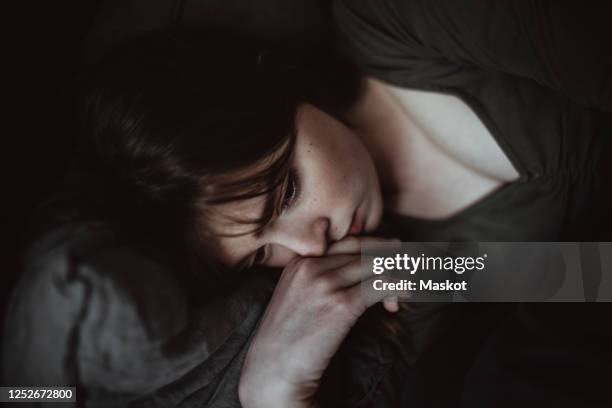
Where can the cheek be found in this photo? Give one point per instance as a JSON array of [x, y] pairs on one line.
[[330, 178], [334, 164], [347, 168], [281, 256]]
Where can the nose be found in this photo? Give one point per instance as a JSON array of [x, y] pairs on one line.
[[308, 239]]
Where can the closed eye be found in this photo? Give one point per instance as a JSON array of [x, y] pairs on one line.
[[291, 192], [260, 256], [290, 196]]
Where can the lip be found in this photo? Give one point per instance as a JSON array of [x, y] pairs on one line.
[[356, 225]]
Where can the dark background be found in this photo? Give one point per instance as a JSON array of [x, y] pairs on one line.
[[41, 44]]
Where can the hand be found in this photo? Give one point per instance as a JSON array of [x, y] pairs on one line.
[[352, 245], [314, 305]]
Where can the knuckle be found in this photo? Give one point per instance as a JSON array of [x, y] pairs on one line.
[[304, 268], [325, 284], [343, 303], [300, 263]]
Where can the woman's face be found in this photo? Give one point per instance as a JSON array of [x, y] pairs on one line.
[[332, 192]]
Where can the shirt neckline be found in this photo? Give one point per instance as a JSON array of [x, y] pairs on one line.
[[491, 198]]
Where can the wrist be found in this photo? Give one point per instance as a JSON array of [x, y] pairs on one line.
[[272, 394]]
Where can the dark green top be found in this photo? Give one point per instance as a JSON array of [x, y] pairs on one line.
[[538, 76]]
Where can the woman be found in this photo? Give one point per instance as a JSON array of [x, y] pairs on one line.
[[185, 152], [455, 142]]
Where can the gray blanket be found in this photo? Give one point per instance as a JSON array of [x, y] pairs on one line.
[[118, 326]]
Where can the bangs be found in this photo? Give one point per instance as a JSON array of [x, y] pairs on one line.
[[267, 180]]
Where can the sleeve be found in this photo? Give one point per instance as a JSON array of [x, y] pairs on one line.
[[559, 44]]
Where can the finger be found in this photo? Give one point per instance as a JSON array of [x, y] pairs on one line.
[[351, 273], [326, 263], [344, 270], [352, 244], [347, 275], [363, 296], [391, 304]]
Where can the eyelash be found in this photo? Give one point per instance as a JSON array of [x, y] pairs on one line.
[[290, 196], [259, 256], [292, 192]]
